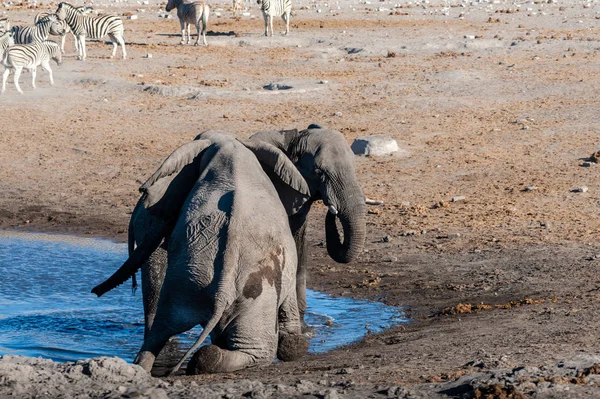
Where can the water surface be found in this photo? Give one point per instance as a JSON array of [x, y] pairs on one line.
[[46, 308]]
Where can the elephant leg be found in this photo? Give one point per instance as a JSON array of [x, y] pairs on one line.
[[153, 276], [168, 322], [292, 344], [302, 249], [248, 340]]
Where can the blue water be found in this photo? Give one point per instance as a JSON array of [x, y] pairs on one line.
[[46, 308]]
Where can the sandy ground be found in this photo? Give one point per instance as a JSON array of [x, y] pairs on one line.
[[484, 99]]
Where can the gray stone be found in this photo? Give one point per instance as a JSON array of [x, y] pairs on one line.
[[374, 145], [582, 189], [458, 198]]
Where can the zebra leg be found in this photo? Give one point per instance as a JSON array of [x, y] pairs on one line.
[[122, 43], [16, 78], [113, 39], [5, 78], [189, 36], [46, 66], [62, 43], [198, 34], [82, 54], [205, 14], [286, 19], [271, 24], [76, 42], [182, 30], [33, 74], [266, 18]]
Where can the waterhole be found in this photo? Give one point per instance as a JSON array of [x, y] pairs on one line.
[[46, 308]]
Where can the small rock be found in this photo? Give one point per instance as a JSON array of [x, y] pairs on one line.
[[581, 189], [588, 164], [132, 17], [331, 394], [329, 323], [458, 198], [148, 55], [323, 82], [387, 239], [374, 145], [470, 37], [530, 188], [408, 233], [337, 114], [346, 370], [454, 235], [391, 259]]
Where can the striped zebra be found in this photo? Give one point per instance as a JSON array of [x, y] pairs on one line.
[[64, 25], [4, 25], [38, 32], [188, 14], [92, 27], [30, 56], [6, 40], [238, 5], [275, 8]]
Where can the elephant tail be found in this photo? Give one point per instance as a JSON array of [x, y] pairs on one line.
[[131, 265], [219, 309], [131, 247]]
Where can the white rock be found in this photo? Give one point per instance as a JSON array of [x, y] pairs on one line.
[[132, 17], [374, 145]]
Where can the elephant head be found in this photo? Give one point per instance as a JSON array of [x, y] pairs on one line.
[[326, 161]]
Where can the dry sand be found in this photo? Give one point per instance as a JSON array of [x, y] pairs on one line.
[[484, 99]]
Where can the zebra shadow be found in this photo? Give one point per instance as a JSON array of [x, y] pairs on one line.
[[208, 33]]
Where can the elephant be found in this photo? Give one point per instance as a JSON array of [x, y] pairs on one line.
[[326, 161], [230, 253]]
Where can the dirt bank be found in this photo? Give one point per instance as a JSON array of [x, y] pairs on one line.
[[485, 99]]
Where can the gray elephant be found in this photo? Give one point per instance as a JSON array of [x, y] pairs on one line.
[[326, 161], [231, 256]]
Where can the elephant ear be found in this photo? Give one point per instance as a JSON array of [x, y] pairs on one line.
[[291, 186], [167, 189]]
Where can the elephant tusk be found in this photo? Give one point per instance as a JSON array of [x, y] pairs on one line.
[[332, 210], [370, 201]]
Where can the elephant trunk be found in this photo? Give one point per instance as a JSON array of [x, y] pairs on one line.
[[350, 210]]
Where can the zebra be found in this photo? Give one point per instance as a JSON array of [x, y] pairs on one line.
[[30, 56], [4, 25], [92, 27], [38, 32], [190, 13], [6, 40], [238, 5], [64, 25], [275, 8]]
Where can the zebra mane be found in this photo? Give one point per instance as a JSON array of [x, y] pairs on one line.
[[49, 17]]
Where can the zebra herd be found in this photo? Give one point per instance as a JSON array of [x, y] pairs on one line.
[[28, 46]]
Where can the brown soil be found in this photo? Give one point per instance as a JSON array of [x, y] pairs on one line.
[[508, 275]]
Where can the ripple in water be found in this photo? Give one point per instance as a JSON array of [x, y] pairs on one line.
[[46, 308]]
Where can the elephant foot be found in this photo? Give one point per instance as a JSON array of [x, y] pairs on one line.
[[291, 347], [207, 359], [145, 360]]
